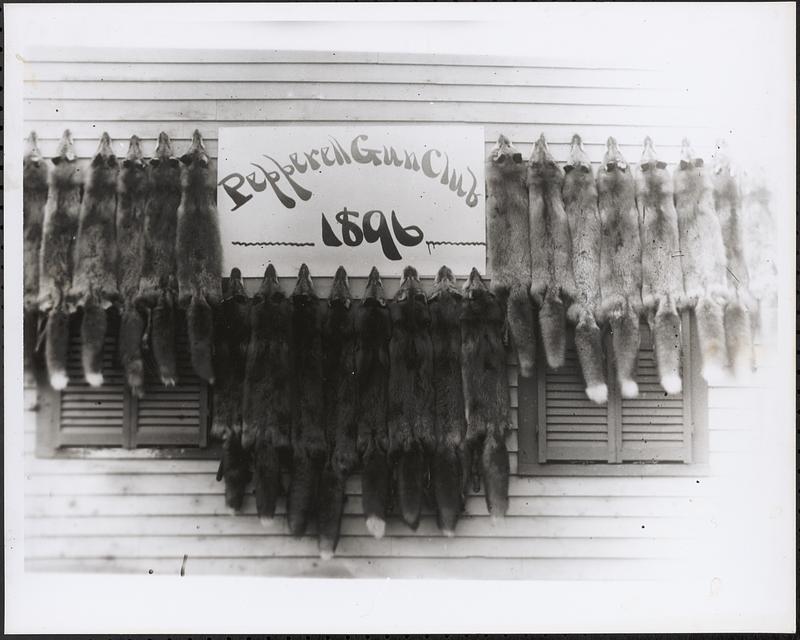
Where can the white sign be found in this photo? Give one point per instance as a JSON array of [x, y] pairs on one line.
[[356, 196]]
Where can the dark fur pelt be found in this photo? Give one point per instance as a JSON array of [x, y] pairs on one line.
[[486, 393], [199, 256], [662, 277], [580, 202], [234, 468], [373, 331], [552, 279], [56, 256], [448, 468], [620, 264], [508, 246], [309, 450], [340, 395], [266, 410], [412, 436]]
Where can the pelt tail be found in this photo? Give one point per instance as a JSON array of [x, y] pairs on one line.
[[131, 329], [711, 335], [495, 470], [519, 316], [266, 478], [162, 340], [57, 347], [411, 472], [235, 469], [30, 336], [589, 345], [625, 341], [738, 337], [553, 324], [667, 346], [375, 480], [200, 323], [93, 337], [306, 471], [447, 480], [331, 505]]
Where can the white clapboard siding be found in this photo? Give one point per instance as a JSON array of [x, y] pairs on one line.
[[135, 511]]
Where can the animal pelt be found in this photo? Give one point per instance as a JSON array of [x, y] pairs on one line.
[[620, 264], [662, 278], [579, 193], [702, 259], [552, 279], [132, 193], [56, 256], [509, 248], [266, 409], [234, 468], [309, 450], [340, 396], [199, 256], [157, 283], [412, 436], [448, 468], [486, 392], [232, 335], [373, 331]]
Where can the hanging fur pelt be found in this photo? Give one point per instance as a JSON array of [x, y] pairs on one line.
[[702, 258], [486, 392], [339, 365], [94, 284], [34, 197], [199, 256], [373, 331], [158, 285], [56, 256], [728, 205], [620, 264], [412, 438], [552, 279], [580, 202], [132, 193], [308, 430], [266, 410], [509, 248], [662, 278], [448, 470], [234, 468]]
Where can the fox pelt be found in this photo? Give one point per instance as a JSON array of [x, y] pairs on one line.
[[199, 256], [702, 259], [373, 331], [340, 396], [267, 407], [620, 264], [234, 469], [158, 285], [579, 193], [132, 193], [662, 278], [552, 279], [449, 468], [509, 248], [56, 256], [309, 449], [486, 392], [412, 438]]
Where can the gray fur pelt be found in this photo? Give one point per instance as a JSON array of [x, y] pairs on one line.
[[552, 278], [508, 246], [662, 278], [620, 264], [579, 193]]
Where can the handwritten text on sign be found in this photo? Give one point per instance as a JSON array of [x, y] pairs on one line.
[[356, 196]]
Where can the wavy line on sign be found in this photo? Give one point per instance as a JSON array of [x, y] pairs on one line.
[[453, 243], [272, 244]]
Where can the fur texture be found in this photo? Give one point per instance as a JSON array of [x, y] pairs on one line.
[[373, 331], [662, 278], [509, 248], [486, 393], [620, 264], [552, 278], [234, 468], [448, 466], [199, 255], [412, 438], [160, 335], [579, 193], [309, 450], [340, 395], [266, 411]]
